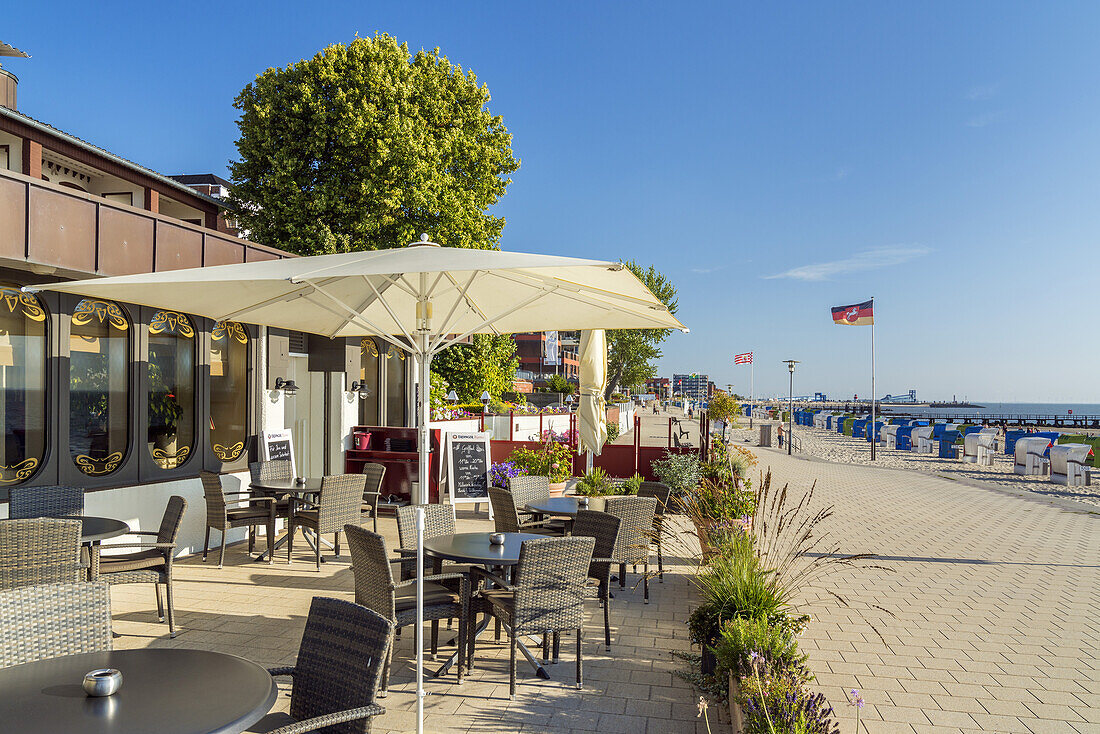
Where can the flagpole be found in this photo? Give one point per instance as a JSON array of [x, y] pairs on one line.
[[752, 388], [874, 431]]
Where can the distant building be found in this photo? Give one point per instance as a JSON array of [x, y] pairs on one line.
[[545, 353], [658, 386], [693, 386]]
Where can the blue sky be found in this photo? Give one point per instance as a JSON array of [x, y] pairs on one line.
[[774, 159]]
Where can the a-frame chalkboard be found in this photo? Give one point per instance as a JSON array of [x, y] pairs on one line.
[[468, 460]]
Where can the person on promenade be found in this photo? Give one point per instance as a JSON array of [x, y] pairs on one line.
[[779, 433]]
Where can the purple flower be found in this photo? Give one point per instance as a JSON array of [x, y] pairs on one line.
[[856, 699]]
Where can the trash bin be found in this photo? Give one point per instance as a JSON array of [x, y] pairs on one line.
[[765, 435]]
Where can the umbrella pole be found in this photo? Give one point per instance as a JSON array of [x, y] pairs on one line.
[[424, 363]]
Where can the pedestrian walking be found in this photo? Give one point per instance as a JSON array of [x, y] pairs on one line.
[[780, 433]]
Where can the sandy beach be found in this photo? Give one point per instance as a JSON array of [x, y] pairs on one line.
[[833, 447]]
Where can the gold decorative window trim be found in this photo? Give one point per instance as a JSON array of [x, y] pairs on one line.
[[98, 467], [171, 322], [23, 471], [14, 298], [179, 457], [89, 309], [222, 329], [395, 352], [228, 453], [368, 347]]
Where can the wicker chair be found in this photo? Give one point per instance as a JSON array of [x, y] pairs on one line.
[[152, 564], [59, 501], [439, 520], [337, 674], [546, 594], [338, 505], [376, 589], [40, 551], [635, 535], [39, 622], [274, 470], [506, 515], [374, 473], [259, 511], [533, 488], [604, 528], [661, 492]]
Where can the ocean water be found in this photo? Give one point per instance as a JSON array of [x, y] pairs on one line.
[[1000, 409]]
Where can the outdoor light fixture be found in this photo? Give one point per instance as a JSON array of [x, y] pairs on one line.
[[360, 386], [287, 387], [790, 407], [485, 401], [452, 397]]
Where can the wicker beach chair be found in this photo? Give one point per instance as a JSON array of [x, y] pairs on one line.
[[374, 473], [635, 535], [376, 589], [506, 515], [546, 594], [339, 505], [604, 528], [150, 564], [39, 622], [257, 512], [58, 501], [35, 551], [661, 492], [337, 673]]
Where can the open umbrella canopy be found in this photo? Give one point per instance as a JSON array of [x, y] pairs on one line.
[[377, 292]]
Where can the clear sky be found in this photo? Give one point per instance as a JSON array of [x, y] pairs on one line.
[[774, 159]]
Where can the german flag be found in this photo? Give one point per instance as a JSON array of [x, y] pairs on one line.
[[860, 314]]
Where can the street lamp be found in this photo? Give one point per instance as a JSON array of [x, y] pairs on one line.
[[569, 402], [452, 397], [790, 406], [485, 401]]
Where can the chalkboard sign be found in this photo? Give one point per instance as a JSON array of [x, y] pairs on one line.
[[276, 445], [468, 460]]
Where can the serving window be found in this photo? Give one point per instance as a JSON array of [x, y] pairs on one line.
[[99, 386], [23, 355]]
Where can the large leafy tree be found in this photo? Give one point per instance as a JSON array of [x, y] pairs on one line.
[[365, 146], [631, 352], [488, 363]]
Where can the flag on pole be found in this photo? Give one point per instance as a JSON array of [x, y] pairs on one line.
[[745, 358], [860, 314]]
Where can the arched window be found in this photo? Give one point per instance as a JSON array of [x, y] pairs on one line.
[[395, 387], [99, 386], [22, 384], [171, 395], [228, 390], [368, 373]]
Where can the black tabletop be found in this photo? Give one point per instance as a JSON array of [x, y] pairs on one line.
[[476, 548], [284, 486], [164, 690], [94, 529], [554, 506]]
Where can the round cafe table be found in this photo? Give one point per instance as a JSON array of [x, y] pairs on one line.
[[560, 506], [282, 487], [95, 529], [166, 690]]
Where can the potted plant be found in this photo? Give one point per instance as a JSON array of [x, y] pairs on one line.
[[552, 460], [717, 510]]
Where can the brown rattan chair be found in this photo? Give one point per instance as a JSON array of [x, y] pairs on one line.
[[273, 470], [439, 520], [374, 473], [635, 535], [36, 551], [533, 488], [339, 505], [151, 564], [39, 622], [506, 515], [661, 492], [546, 594], [604, 528], [258, 511], [337, 673], [59, 501], [376, 588]]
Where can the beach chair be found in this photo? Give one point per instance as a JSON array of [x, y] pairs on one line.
[[1031, 455], [1069, 463]]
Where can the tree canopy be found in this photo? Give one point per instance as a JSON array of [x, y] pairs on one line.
[[488, 363], [365, 146], [631, 352]]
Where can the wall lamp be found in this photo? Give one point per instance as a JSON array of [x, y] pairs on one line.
[[361, 388], [287, 387]]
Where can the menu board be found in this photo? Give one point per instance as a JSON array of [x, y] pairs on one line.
[[468, 460], [276, 445]]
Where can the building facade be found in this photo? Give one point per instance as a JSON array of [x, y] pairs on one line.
[[692, 386], [546, 353]]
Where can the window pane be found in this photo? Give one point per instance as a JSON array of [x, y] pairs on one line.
[[368, 373], [171, 389], [23, 382], [228, 390], [395, 387], [99, 386]]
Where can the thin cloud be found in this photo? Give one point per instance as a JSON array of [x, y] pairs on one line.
[[983, 92], [873, 259], [987, 118], [704, 271]]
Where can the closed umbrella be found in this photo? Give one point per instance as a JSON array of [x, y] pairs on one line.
[[592, 412], [422, 298]]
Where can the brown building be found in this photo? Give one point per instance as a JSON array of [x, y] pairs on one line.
[[537, 360]]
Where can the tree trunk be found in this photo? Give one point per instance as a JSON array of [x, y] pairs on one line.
[[613, 376]]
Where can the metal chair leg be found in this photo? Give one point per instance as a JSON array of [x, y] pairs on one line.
[[607, 622], [645, 581], [160, 604], [206, 544], [580, 674], [172, 632], [221, 553], [512, 666]]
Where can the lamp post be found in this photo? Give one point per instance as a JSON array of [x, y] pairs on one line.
[[790, 405], [485, 402]]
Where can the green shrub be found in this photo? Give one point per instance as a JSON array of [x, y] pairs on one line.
[[596, 483], [551, 459], [631, 485], [612, 430], [679, 471], [772, 641]]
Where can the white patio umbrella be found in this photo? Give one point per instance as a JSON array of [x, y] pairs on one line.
[[592, 412], [422, 298]]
